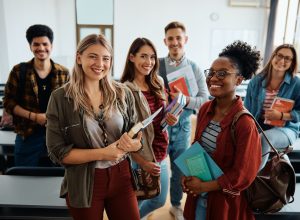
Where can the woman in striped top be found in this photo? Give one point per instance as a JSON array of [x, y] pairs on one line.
[[240, 161], [277, 79], [141, 76]]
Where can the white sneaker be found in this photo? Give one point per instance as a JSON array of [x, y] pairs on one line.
[[177, 212]]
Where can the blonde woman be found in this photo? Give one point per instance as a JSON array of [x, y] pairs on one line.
[[86, 132]]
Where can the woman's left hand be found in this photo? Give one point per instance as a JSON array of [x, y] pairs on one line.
[[128, 144], [193, 185], [272, 114], [171, 119]]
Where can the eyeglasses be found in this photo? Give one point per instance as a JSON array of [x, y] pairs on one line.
[[286, 59], [220, 74], [100, 120]]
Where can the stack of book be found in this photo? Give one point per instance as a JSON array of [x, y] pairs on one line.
[[174, 108], [195, 161], [282, 105]]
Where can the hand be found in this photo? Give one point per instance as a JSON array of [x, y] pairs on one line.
[[151, 168], [171, 119], [112, 152], [183, 180], [193, 185], [272, 114], [40, 118], [176, 93], [128, 144]]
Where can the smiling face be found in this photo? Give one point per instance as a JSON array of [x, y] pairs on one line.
[[95, 62], [143, 60], [225, 87], [282, 60], [175, 39], [41, 48]]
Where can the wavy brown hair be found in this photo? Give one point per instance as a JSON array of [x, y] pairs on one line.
[[114, 91], [129, 70], [268, 68]]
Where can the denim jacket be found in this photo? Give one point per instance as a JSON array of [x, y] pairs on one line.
[[290, 89]]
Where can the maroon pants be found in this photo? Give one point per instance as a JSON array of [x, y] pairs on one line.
[[113, 191]]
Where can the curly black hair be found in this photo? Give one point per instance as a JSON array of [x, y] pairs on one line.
[[246, 58], [39, 30]]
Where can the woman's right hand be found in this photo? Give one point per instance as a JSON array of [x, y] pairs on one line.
[[151, 168], [112, 152]]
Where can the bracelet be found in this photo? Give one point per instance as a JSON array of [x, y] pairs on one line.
[[281, 116], [29, 114]]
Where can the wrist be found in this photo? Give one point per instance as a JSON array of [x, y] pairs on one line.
[[281, 117], [29, 114]]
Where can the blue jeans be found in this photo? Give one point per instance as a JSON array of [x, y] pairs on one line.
[[32, 150], [200, 212], [149, 205], [179, 137], [278, 139]]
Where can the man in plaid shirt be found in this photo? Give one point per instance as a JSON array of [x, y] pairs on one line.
[[27, 100]]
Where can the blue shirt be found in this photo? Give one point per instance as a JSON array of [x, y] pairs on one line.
[[290, 89]]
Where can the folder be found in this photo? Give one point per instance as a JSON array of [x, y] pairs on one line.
[[195, 161]]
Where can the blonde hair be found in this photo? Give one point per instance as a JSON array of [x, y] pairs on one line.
[[114, 91]]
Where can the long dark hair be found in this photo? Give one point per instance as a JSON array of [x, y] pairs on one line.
[[152, 79]]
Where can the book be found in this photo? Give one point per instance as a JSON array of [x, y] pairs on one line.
[[190, 80], [283, 105], [142, 124], [198, 167], [180, 83], [174, 108], [195, 161]]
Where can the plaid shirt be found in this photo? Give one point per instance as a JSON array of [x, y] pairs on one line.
[[29, 97]]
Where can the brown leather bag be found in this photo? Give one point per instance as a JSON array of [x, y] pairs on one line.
[[274, 185], [146, 185]]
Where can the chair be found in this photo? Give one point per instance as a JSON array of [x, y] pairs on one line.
[[35, 171]]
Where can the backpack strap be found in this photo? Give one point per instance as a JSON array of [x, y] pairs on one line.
[[163, 72], [233, 125]]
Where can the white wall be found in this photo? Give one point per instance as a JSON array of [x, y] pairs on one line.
[[136, 18], [132, 18]]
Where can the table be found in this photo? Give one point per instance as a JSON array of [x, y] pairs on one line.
[[31, 197]]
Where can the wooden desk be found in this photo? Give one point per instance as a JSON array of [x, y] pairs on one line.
[[30, 197]]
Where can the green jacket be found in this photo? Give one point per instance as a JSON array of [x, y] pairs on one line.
[[67, 129]]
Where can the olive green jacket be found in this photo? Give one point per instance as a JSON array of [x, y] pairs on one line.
[[66, 129]]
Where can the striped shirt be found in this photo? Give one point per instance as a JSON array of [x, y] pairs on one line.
[[270, 96], [209, 136], [160, 141]]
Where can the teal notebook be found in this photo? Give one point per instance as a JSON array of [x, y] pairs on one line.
[[195, 161]]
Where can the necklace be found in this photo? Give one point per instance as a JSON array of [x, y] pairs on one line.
[[44, 87]]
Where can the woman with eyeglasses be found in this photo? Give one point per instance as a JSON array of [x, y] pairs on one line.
[[224, 198], [277, 79], [87, 120], [141, 76]]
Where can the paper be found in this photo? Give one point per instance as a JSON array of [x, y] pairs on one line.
[[188, 74], [195, 150], [142, 124], [282, 105]]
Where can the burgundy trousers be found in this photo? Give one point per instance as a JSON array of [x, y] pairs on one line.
[[113, 191]]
